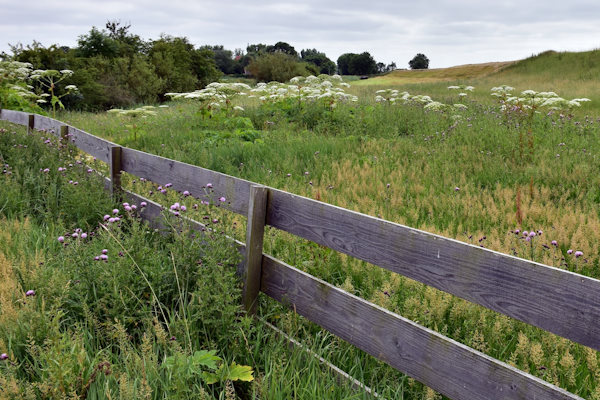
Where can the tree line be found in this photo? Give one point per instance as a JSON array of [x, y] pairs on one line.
[[115, 68]]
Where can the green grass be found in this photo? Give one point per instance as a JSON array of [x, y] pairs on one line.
[[405, 165]]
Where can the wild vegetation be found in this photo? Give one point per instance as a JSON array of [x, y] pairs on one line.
[[450, 158]]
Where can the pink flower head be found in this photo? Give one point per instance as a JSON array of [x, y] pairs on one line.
[[525, 233], [104, 251], [61, 239], [125, 204], [96, 258], [183, 208], [75, 235], [143, 204], [532, 234], [3, 356], [456, 188], [104, 257], [222, 199], [177, 213], [517, 231], [84, 235], [111, 220], [578, 253], [30, 293], [554, 243], [116, 211], [168, 185], [186, 193], [570, 251], [127, 208], [46, 170], [106, 217], [117, 219], [209, 185], [61, 169], [133, 207]]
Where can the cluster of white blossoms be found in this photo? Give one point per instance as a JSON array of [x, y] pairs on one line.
[[462, 88], [393, 96], [326, 88], [145, 111], [531, 100], [14, 75], [214, 95]]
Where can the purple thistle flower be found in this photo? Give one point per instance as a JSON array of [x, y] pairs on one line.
[[117, 219], [104, 251], [173, 338], [106, 217], [554, 243], [168, 185], [89, 171], [456, 188], [3, 356], [570, 251], [127, 208], [186, 193], [61, 169], [176, 213], [525, 233], [111, 220], [61, 239], [163, 191], [96, 258], [74, 235], [159, 188], [30, 293], [222, 199], [133, 207], [195, 206], [84, 235], [528, 239], [532, 234], [125, 204], [46, 170], [75, 183], [215, 221], [143, 204], [517, 231], [104, 257], [209, 185], [183, 208], [115, 211], [288, 175], [578, 253]]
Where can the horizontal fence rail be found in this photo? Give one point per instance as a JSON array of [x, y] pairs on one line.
[[555, 300]]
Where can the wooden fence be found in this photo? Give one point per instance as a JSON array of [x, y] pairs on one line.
[[558, 301]]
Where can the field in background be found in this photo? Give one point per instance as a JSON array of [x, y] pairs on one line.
[[423, 169]]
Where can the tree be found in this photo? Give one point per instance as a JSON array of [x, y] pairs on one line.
[[282, 47], [420, 61], [324, 64], [357, 64], [276, 67]]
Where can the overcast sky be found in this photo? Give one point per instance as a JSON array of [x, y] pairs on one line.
[[448, 32]]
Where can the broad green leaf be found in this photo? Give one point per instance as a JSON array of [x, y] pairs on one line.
[[206, 359], [240, 373]]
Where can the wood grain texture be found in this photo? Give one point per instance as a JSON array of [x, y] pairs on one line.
[[255, 231], [556, 300], [47, 124], [115, 170], [93, 145], [189, 177], [16, 117], [445, 365]]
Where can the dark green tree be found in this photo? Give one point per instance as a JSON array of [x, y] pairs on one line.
[[420, 61], [319, 59]]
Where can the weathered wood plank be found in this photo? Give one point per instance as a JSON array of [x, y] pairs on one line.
[[93, 145], [556, 300], [255, 230], [16, 117], [115, 170], [47, 124], [188, 177], [443, 364]]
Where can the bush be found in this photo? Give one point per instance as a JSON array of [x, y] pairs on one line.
[[420, 61], [279, 67]]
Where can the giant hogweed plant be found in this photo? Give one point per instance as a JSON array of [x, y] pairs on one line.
[[48, 81], [519, 114]]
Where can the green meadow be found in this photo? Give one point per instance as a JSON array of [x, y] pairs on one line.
[[156, 321]]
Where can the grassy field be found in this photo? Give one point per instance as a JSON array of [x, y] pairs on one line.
[[482, 178]]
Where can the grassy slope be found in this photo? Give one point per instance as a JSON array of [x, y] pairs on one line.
[[353, 153]]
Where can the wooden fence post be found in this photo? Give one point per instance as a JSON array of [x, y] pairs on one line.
[[115, 171], [30, 123], [257, 213]]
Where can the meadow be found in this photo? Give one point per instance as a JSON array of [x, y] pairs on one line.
[[482, 174]]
